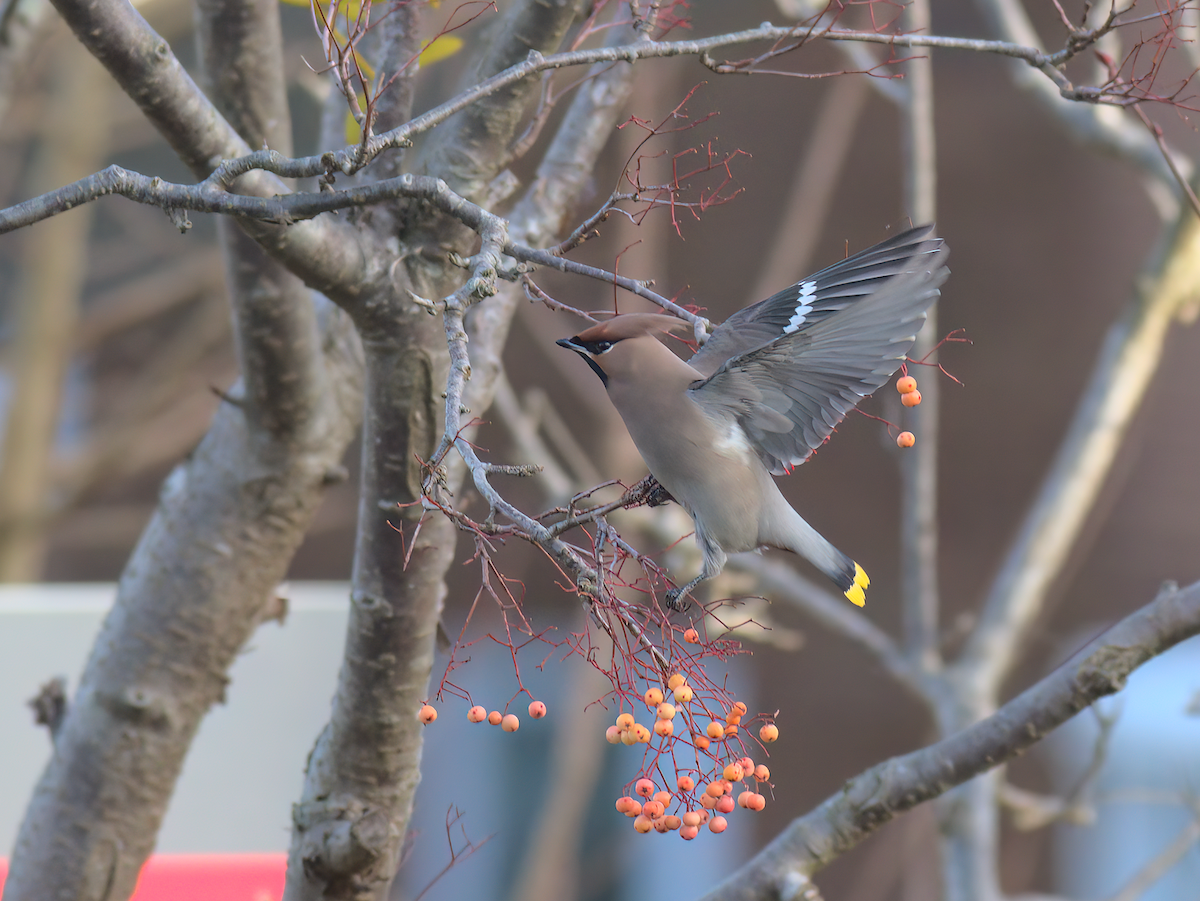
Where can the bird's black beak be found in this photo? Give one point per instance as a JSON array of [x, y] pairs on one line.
[[571, 344]]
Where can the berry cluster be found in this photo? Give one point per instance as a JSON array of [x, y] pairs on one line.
[[715, 746], [910, 397], [508, 722]]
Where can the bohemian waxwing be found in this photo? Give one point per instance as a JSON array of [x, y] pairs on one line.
[[764, 392]]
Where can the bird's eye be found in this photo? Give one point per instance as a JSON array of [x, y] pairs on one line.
[[599, 347]]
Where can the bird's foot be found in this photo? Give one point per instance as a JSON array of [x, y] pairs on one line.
[[648, 491], [675, 599]]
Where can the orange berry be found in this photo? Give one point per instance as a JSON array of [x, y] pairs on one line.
[[725, 804], [691, 636], [645, 788], [663, 798], [612, 735], [653, 809], [495, 717], [708, 801], [691, 818], [633, 809], [672, 821], [675, 681], [666, 711], [476, 714], [628, 738], [687, 833], [665, 728], [733, 717], [731, 730], [761, 773], [717, 824], [625, 722], [906, 439], [683, 694], [747, 766], [743, 798], [906, 384], [740, 708], [537, 710], [426, 714], [756, 801], [653, 697], [911, 399], [714, 789], [623, 804], [661, 826], [733, 772], [700, 742], [768, 733], [705, 816], [640, 733], [510, 723], [643, 824], [715, 731], [685, 783], [726, 785]]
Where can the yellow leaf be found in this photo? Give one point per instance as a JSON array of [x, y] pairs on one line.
[[439, 48]]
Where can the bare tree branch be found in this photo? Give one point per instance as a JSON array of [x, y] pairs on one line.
[[361, 777], [1034, 811], [241, 42], [197, 585], [919, 465], [399, 36], [877, 795], [353, 813], [1129, 357], [276, 329], [474, 144], [1091, 124], [119, 37], [328, 255], [221, 540]]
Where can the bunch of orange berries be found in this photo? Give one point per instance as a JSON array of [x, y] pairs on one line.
[[508, 722], [717, 798], [910, 397]]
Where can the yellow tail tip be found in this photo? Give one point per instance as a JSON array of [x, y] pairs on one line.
[[856, 593]]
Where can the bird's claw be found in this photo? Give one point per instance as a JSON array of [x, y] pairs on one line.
[[648, 491], [674, 600]]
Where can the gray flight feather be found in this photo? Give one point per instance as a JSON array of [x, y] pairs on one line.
[[788, 369]]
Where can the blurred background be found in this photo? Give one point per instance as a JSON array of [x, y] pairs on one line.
[[116, 336]]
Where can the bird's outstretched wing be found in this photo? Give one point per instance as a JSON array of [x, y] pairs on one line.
[[788, 369]]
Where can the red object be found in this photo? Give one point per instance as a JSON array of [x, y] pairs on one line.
[[203, 877]]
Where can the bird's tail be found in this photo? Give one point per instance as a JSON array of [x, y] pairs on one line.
[[796, 535]]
